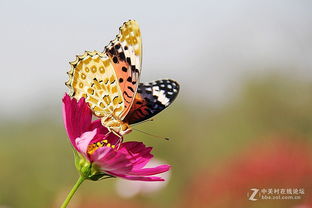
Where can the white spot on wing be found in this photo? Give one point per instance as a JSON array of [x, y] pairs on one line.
[[161, 97]]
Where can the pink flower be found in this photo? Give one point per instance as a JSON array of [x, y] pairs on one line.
[[277, 162], [100, 153]]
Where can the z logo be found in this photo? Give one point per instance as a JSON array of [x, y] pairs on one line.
[[254, 193]]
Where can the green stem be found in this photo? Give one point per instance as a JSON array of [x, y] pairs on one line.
[[72, 192]]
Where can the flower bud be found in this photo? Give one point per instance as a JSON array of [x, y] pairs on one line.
[[82, 164]]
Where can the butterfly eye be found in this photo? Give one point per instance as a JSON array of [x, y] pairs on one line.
[[87, 69]]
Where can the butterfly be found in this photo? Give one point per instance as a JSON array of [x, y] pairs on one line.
[[109, 82]]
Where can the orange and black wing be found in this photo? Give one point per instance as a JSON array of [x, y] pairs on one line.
[[125, 52], [151, 98]]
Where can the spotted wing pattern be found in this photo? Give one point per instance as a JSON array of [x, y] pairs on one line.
[[92, 76], [126, 54], [108, 80], [151, 98]]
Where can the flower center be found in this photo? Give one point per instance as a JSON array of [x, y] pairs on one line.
[[96, 145]]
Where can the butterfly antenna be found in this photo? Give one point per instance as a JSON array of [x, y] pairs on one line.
[[142, 122], [152, 135]]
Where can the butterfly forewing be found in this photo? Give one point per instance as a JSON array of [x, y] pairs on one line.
[[126, 54], [151, 98], [108, 81]]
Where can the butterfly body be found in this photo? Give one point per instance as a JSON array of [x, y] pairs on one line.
[[109, 82]]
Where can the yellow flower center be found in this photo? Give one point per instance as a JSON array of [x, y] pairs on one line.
[[95, 146]]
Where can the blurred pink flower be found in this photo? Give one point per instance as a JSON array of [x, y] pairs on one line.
[[280, 163], [96, 151]]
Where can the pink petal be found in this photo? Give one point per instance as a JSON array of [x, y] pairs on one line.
[[136, 178], [82, 142], [150, 171], [127, 161], [97, 124], [111, 137], [107, 159], [144, 158], [101, 153], [77, 117], [137, 152]]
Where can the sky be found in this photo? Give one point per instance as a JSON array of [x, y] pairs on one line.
[[209, 47]]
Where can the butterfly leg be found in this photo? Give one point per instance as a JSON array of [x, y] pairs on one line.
[[120, 139]]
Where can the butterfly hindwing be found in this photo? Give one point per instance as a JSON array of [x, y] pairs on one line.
[[92, 76], [152, 98], [126, 54]]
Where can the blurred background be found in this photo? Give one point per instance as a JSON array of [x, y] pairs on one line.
[[243, 118]]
